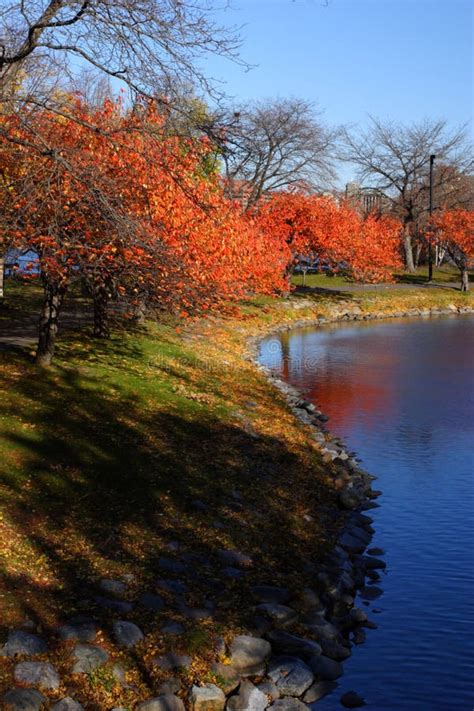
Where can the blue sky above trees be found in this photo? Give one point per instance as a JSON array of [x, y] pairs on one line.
[[399, 59]]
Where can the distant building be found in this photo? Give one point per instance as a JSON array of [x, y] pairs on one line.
[[366, 200]]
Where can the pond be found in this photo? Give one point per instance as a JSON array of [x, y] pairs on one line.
[[401, 394]]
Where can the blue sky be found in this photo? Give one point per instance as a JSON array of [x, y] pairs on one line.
[[399, 59]]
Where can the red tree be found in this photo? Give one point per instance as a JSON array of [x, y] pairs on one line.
[[133, 213], [456, 230], [318, 226]]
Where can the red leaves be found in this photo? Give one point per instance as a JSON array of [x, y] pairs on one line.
[[319, 226], [456, 227], [133, 210]]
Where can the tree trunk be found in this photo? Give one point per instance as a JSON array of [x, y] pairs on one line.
[[139, 312], [48, 328], [408, 247], [464, 278], [440, 254], [2, 276], [101, 313], [418, 249]]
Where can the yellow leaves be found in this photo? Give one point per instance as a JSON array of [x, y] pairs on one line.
[[200, 397]]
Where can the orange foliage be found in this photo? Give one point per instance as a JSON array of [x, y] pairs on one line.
[[136, 213], [318, 226], [133, 211], [457, 229]]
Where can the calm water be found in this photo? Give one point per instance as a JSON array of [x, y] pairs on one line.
[[402, 395]]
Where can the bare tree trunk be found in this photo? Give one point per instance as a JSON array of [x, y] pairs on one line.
[[48, 328], [464, 278], [418, 249], [2, 276], [440, 254], [139, 312], [101, 313], [408, 247]]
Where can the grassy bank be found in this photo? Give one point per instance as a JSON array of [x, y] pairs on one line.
[[166, 442], [446, 275]]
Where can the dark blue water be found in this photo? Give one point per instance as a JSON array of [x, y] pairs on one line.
[[402, 395]]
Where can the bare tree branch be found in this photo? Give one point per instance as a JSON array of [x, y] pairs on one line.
[[276, 144], [395, 158]]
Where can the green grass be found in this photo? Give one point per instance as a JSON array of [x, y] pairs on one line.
[[328, 281], [445, 275]]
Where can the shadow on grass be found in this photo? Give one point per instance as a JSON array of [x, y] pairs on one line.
[[420, 280], [98, 480], [313, 292]]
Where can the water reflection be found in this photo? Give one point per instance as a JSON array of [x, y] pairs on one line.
[[402, 395]]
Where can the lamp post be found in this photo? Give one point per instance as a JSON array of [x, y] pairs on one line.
[[430, 243]]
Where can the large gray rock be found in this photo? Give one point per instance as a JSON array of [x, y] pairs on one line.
[[322, 629], [170, 686], [19, 642], [127, 634], [355, 539], [40, 674], [171, 660], [326, 669], [290, 644], [207, 698], [78, 631], [249, 698], [351, 499], [334, 649], [269, 688], [227, 677], [165, 702], [291, 676], [280, 614], [23, 700], [87, 658], [371, 592], [249, 654], [310, 599], [67, 704], [372, 563], [271, 594], [318, 691]]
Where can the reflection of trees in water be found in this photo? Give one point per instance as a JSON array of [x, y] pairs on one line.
[[335, 375], [398, 372]]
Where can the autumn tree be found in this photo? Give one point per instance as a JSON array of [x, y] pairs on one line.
[[152, 48], [131, 212], [336, 233], [456, 229], [273, 145], [395, 157]]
